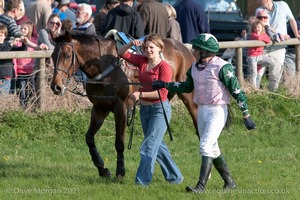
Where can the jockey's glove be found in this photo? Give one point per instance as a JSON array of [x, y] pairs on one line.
[[158, 84], [249, 123]]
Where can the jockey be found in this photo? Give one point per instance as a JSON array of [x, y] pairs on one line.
[[213, 81]]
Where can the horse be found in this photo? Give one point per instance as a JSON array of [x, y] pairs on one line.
[[109, 84]]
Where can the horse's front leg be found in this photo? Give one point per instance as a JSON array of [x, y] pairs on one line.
[[96, 121], [120, 124]]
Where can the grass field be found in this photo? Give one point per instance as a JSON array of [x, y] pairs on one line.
[[44, 156]]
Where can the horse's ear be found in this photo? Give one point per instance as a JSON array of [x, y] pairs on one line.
[[68, 36]]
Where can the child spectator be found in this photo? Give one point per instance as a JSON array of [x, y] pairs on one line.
[[25, 67], [255, 54], [174, 30], [6, 65]]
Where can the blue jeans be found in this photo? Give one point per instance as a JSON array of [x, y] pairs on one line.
[[25, 92], [4, 86], [153, 148]]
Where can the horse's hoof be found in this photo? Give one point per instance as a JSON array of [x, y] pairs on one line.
[[104, 173], [119, 177]]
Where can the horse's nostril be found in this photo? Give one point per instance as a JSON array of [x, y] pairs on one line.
[[56, 89]]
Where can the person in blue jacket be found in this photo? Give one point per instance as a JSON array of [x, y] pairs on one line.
[[192, 19]]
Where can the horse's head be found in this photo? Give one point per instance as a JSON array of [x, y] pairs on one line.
[[65, 64]]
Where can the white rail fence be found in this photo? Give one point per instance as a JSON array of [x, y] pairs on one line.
[[238, 45]]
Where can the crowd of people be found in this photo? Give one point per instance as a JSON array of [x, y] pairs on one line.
[[35, 26]]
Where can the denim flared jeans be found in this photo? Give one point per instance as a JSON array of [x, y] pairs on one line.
[[153, 147]]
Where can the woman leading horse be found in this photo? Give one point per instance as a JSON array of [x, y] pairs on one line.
[[110, 84]]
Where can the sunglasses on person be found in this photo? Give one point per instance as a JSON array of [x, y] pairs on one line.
[[78, 13], [262, 17], [55, 23]]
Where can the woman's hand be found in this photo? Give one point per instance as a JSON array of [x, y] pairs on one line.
[[43, 47], [137, 43], [135, 96]]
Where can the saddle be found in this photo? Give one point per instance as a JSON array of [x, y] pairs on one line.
[[123, 38]]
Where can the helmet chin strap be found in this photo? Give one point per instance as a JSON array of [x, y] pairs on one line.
[[203, 56]]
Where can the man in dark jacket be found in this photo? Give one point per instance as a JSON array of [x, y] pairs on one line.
[[83, 25], [155, 17], [192, 19], [126, 19]]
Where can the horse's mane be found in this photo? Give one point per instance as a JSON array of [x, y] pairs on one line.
[[81, 38]]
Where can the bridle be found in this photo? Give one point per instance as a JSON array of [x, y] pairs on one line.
[[59, 69]]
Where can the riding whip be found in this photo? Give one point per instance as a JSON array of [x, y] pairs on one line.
[[165, 116]]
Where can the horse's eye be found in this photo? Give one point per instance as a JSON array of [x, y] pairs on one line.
[[68, 57]]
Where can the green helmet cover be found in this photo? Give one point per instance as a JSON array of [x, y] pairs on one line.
[[206, 42]]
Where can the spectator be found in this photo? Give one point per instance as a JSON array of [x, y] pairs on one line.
[[83, 25], [289, 61], [19, 20], [6, 65], [155, 17], [174, 30], [39, 12], [192, 19], [51, 31], [255, 54], [213, 81], [152, 67], [100, 18], [23, 18], [25, 67], [13, 11], [279, 12], [126, 19], [262, 15]]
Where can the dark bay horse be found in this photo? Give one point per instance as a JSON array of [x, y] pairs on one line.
[[109, 84]]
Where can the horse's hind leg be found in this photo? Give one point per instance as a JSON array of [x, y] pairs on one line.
[[187, 99], [96, 122]]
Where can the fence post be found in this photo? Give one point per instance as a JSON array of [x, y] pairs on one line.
[[297, 58], [41, 82], [239, 65]]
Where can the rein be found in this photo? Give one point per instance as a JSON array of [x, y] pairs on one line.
[[131, 122], [95, 80]]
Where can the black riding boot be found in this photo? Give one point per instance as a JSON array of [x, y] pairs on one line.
[[205, 169], [222, 168]]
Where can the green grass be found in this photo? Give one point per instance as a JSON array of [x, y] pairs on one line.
[[44, 156]]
